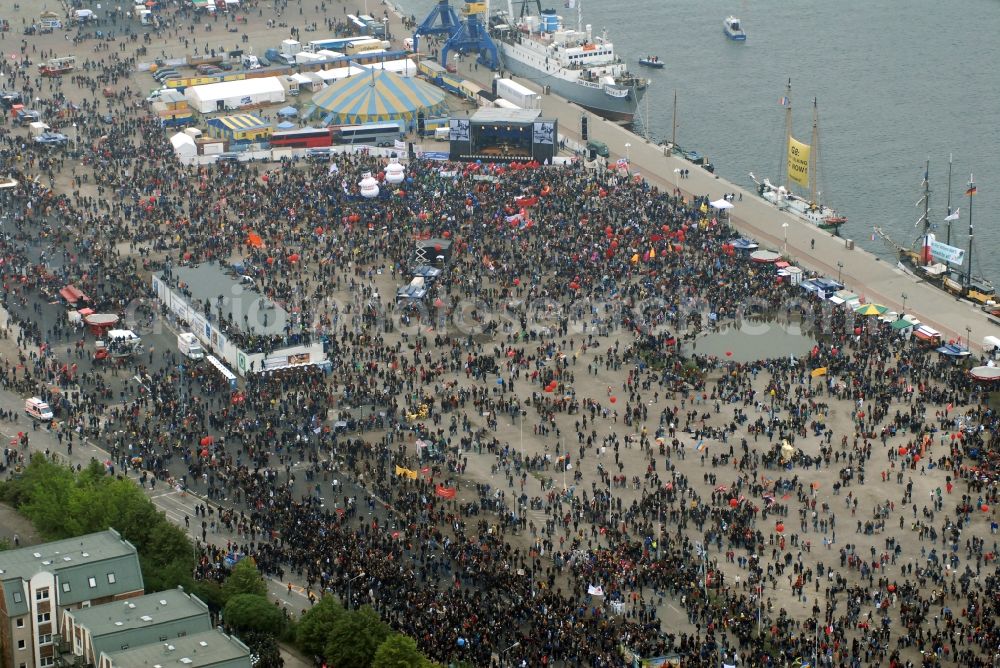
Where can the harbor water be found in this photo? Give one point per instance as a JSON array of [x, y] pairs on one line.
[[895, 84]]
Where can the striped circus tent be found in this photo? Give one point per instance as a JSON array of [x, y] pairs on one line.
[[377, 97]]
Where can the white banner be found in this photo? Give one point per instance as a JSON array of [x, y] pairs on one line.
[[947, 253]]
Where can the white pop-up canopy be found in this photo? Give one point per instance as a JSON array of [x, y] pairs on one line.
[[721, 204]]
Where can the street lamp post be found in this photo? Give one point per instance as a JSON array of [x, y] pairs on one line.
[[968, 338], [349, 581], [627, 151], [840, 270], [784, 243], [504, 651], [521, 413], [905, 297], [385, 28]]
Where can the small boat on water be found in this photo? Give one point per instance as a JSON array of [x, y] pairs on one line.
[[734, 31], [651, 61]]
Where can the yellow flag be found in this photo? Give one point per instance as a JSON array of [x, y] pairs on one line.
[[798, 162], [406, 473], [820, 371]]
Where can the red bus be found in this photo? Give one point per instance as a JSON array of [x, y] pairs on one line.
[[304, 138]]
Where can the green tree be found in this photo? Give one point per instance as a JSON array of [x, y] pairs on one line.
[[399, 651], [168, 555], [264, 649], [43, 496], [355, 638], [244, 579], [63, 503], [249, 612], [210, 592], [315, 626]]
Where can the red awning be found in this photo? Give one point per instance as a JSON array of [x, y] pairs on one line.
[[922, 335], [72, 294]]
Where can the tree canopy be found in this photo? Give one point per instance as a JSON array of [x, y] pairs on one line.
[[315, 626], [355, 637], [64, 503], [399, 651], [244, 579], [249, 612]]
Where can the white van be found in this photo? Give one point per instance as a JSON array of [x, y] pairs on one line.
[[442, 134], [123, 342], [189, 346], [38, 409]]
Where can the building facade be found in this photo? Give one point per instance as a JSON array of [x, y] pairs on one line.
[[42, 583], [119, 626]]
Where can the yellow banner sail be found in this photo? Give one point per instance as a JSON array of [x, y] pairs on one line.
[[798, 162]]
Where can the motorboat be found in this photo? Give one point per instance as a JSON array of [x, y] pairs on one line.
[[734, 31], [651, 61]]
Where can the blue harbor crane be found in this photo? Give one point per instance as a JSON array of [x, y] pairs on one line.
[[449, 23], [472, 36]]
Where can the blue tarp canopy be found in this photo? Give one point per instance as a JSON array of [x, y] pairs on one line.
[[285, 125], [288, 112], [744, 244], [426, 272], [953, 350]]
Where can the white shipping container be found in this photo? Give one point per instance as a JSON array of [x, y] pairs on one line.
[[520, 95]]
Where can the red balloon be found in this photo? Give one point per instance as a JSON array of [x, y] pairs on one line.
[[984, 508], [857, 330], [733, 503], [517, 281], [902, 450], [614, 400], [729, 353], [779, 527], [437, 248], [891, 588]]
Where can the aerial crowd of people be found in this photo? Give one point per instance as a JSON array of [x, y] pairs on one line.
[[533, 464]]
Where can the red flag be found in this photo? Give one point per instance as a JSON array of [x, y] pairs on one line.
[[445, 492]]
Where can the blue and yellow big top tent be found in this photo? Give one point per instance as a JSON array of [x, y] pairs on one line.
[[376, 97]]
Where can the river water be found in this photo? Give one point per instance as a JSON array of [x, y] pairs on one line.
[[896, 84]]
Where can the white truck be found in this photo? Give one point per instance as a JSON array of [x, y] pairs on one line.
[[122, 342], [516, 93], [189, 346]]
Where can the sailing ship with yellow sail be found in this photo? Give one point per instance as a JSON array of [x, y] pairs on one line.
[[802, 166]]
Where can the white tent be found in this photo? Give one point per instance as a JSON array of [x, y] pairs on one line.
[[184, 146], [235, 94], [721, 204]]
